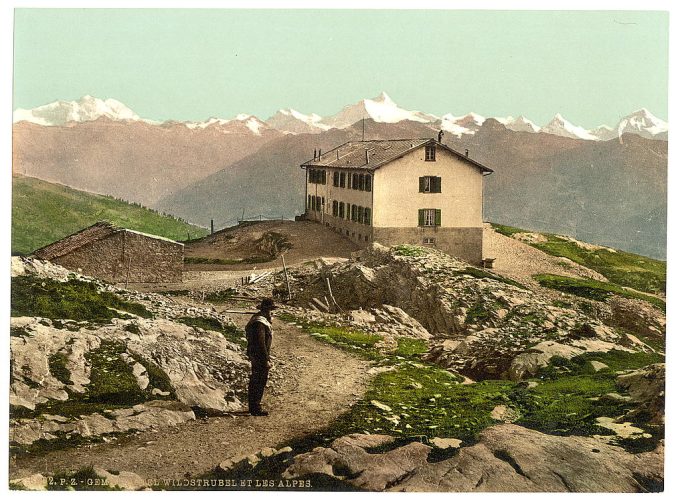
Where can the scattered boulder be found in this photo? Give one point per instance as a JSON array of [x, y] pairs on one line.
[[446, 443], [597, 366]]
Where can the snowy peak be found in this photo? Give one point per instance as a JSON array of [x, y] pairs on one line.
[[642, 122], [562, 127], [238, 124], [460, 125], [87, 108], [291, 121], [521, 124], [603, 132], [380, 109]]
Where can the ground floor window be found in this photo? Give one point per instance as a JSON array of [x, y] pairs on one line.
[[429, 241]]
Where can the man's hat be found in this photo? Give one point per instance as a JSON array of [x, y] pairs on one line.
[[267, 303]]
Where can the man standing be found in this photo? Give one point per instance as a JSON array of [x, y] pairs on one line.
[[259, 335]]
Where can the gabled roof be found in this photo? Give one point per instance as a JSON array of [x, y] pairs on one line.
[[96, 232], [353, 154]]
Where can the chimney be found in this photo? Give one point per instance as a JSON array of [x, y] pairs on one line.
[[319, 154], [440, 135], [315, 154], [367, 157], [467, 153], [212, 226]]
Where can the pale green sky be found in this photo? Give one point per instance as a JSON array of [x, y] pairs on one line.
[[592, 66]]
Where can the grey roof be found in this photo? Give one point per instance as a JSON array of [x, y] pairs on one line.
[[353, 154], [95, 232]]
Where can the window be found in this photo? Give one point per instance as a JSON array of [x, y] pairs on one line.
[[322, 181], [354, 213], [367, 216], [335, 208], [342, 180], [362, 182], [336, 178], [355, 181], [430, 152], [341, 210], [428, 241], [430, 184], [309, 202], [360, 215], [429, 218], [323, 204], [368, 183], [318, 204]]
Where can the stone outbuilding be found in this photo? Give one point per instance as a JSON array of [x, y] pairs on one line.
[[118, 255], [412, 191]]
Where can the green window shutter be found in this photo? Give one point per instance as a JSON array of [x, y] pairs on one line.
[[421, 217], [369, 182], [438, 218], [436, 184], [421, 184]]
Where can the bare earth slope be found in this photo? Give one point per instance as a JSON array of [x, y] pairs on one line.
[[307, 398], [303, 241]]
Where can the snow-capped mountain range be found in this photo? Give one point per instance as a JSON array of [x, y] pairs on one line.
[[380, 109]]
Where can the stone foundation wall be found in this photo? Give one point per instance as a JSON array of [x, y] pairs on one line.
[[462, 242], [149, 260]]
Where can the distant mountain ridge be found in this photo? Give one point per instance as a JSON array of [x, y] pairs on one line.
[[610, 191], [380, 109]]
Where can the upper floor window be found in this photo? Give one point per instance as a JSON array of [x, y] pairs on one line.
[[336, 178], [430, 184], [343, 176], [317, 176], [368, 183], [430, 151]]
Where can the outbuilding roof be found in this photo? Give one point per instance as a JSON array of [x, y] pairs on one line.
[[96, 232], [372, 154]]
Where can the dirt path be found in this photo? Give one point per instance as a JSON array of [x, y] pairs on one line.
[[315, 384]]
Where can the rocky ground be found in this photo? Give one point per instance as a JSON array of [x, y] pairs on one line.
[[459, 350], [507, 458]]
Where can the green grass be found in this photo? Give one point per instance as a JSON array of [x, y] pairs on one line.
[[409, 347], [409, 251], [355, 341], [230, 332], [73, 299], [593, 289], [57, 366], [111, 379], [623, 268], [44, 212]]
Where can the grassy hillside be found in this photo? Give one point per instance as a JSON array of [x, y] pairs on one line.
[[43, 212], [623, 268]]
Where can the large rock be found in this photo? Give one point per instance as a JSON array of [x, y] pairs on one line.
[[507, 458], [347, 458], [492, 320], [646, 388]]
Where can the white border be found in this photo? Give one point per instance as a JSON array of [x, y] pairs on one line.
[[6, 45]]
